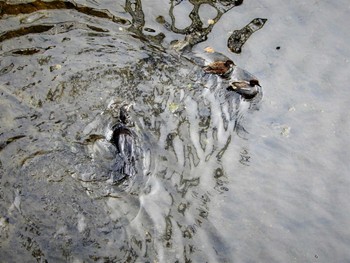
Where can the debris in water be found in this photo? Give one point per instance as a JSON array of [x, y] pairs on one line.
[[209, 50], [32, 18], [55, 67], [173, 107], [285, 131], [211, 22]]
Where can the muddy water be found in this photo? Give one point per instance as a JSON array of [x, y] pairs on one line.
[[218, 179]]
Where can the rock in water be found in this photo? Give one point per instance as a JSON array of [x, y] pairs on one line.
[[239, 37]]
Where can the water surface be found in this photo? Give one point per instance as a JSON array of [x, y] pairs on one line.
[[218, 179]]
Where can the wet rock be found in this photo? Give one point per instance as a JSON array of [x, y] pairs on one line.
[[239, 37]]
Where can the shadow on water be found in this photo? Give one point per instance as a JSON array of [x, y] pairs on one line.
[[63, 78]]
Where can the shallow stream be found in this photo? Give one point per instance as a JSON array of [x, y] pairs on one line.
[[218, 178]]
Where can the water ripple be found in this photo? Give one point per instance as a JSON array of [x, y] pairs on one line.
[[63, 86]]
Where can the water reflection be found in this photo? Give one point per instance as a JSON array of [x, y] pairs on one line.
[[61, 89]]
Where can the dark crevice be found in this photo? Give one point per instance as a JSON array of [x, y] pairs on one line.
[[27, 8], [25, 31]]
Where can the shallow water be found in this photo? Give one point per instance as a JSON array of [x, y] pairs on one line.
[[218, 179]]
